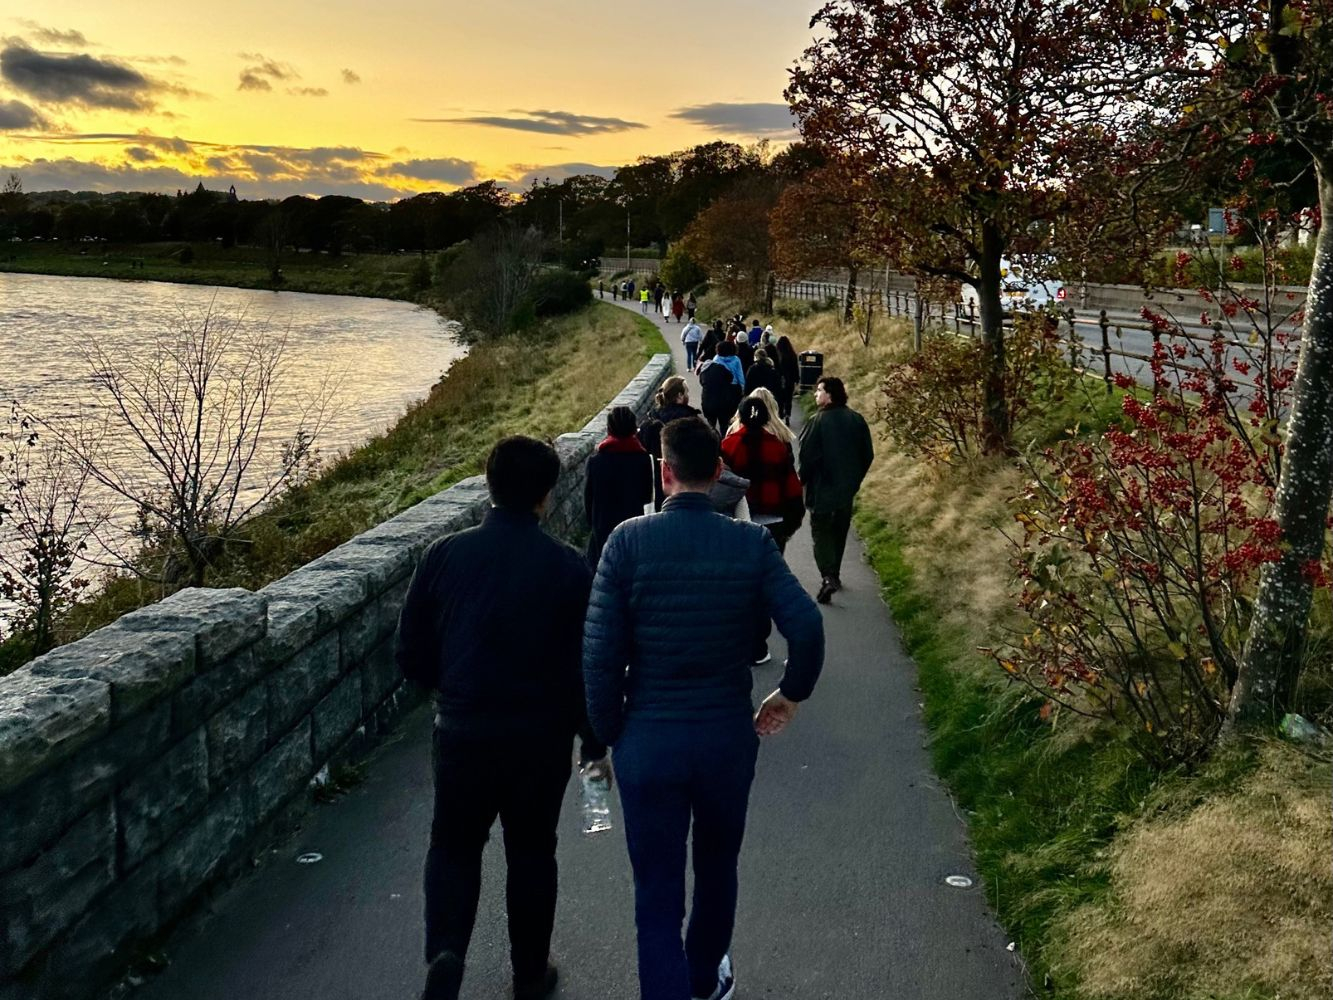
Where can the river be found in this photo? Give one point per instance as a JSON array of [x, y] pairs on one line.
[[382, 355]]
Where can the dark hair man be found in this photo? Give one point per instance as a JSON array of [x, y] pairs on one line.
[[835, 454], [680, 715], [492, 626]]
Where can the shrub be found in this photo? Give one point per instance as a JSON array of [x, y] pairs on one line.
[[682, 271], [555, 293]]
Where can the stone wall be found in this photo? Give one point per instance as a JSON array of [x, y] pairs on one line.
[[146, 762]]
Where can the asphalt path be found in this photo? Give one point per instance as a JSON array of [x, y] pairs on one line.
[[843, 893]]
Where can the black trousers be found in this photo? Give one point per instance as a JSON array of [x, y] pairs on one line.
[[828, 529], [522, 781]]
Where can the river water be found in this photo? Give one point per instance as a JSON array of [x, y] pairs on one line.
[[382, 355]]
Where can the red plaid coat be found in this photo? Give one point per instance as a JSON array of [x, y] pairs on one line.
[[771, 468]]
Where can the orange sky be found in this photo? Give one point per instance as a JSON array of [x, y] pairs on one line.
[[379, 99]]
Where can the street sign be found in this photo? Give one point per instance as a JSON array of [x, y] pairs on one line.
[[1217, 221]]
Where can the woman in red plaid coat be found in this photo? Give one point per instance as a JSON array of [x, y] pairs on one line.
[[759, 448]]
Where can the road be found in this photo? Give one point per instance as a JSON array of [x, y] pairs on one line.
[[843, 891]]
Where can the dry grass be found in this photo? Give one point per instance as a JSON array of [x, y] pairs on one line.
[[1223, 893], [1232, 899]]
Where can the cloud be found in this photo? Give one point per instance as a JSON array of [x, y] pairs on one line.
[[141, 155], [547, 122], [78, 79], [55, 36], [739, 118], [522, 175], [308, 91], [16, 114], [351, 76], [262, 71], [444, 171]]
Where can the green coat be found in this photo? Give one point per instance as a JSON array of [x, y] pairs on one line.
[[835, 454]]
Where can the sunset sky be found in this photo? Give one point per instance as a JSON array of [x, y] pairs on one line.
[[380, 99]]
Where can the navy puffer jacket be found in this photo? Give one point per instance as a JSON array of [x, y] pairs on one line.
[[653, 650]]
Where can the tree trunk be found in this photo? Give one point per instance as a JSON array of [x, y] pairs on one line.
[[1270, 663], [850, 304], [770, 289], [995, 411]]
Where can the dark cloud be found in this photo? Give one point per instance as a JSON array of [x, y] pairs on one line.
[[524, 174], [444, 171], [16, 114], [739, 118], [263, 71], [307, 91], [548, 122], [55, 36], [77, 79], [351, 76], [141, 155]]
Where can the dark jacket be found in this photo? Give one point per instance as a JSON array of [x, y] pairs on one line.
[[493, 625], [648, 655], [718, 391], [790, 370], [618, 485], [765, 376], [746, 353], [835, 454], [650, 434]]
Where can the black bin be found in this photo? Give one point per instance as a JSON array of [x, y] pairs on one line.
[[811, 364]]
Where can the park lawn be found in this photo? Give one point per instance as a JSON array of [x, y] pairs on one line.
[[1116, 881], [388, 276], [545, 382]]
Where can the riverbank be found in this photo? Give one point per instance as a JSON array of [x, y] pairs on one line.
[[543, 383], [385, 276], [1114, 880]]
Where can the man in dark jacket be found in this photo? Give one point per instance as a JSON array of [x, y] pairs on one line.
[[835, 455], [671, 690], [492, 625], [618, 480], [720, 387]]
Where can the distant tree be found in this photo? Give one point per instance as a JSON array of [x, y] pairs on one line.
[[976, 114], [730, 240], [486, 281]]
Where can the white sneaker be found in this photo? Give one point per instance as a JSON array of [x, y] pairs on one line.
[[766, 658], [726, 982]]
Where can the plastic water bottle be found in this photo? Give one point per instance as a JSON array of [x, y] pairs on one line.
[[596, 799]]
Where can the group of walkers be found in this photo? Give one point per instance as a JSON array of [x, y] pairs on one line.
[[667, 304], [525, 642], [732, 361]]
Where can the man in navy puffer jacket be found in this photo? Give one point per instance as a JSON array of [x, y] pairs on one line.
[[670, 689]]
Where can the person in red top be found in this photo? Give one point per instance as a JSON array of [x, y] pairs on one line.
[[759, 452]]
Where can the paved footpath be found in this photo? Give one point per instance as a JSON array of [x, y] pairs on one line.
[[843, 895]]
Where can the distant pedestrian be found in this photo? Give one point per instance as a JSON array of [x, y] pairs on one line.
[[691, 305], [677, 707], [756, 332], [615, 291], [658, 292], [601, 290], [721, 387], [618, 483], [691, 336], [835, 454], [708, 345], [486, 628], [744, 351], [643, 301], [789, 368], [763, 374], [630, 286], [677, 306]]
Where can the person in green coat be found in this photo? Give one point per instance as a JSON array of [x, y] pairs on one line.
[[835, 454]]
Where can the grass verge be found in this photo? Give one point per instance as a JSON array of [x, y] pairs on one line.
[[1117, 881]]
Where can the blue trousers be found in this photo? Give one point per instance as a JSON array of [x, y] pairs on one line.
[[691, 350], [670, 773]]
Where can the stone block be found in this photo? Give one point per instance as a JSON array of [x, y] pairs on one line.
[[222, 621], [39, 810], [100, 945], [411, 535], [44, 898], [161, 798], [334, 718], [139, 667], [43, 720], [389, 607], [379, 676], [237, 735], [359, 634], [335, 594], [193, 704], [193, 858], [292, 626], [382, 565], [283, 771], [294, 687]]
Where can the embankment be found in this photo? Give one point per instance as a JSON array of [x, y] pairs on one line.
[[145, 762]]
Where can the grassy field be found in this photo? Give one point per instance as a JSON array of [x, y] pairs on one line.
[[1117, 882], [543, 383], [388, 276]]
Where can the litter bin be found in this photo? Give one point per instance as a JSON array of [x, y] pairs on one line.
[[811, 366]]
